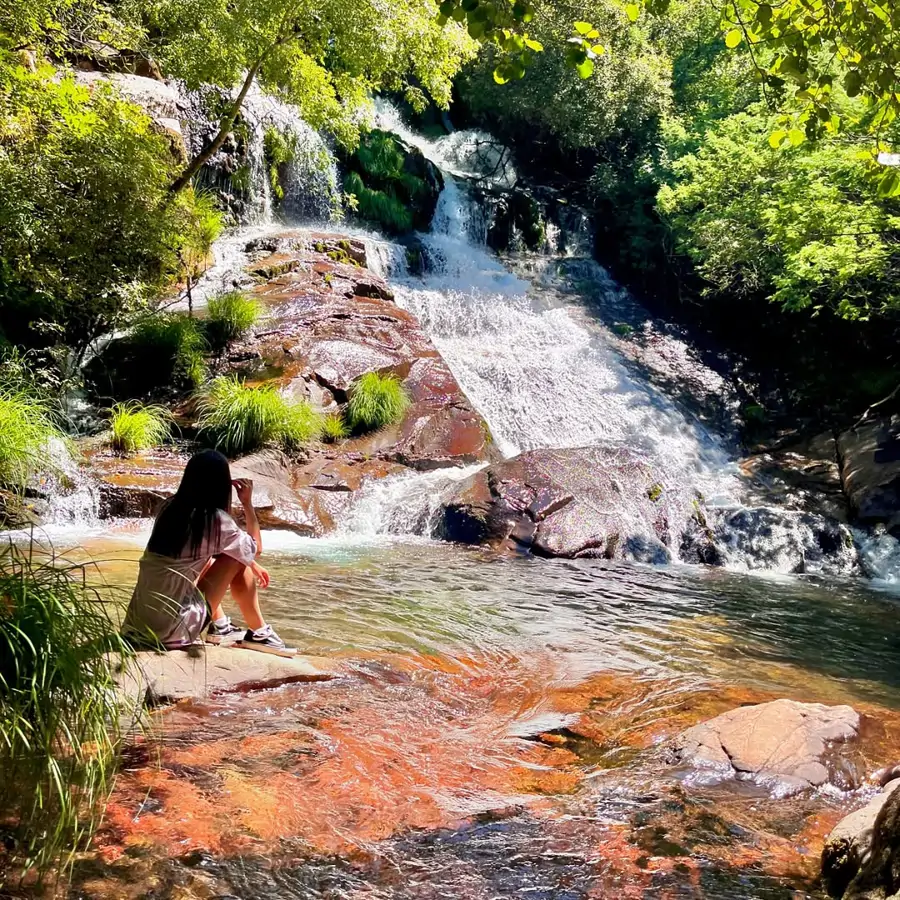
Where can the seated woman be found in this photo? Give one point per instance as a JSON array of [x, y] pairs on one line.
[[195, 554]]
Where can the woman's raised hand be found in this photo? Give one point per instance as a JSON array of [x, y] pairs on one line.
[[244, 489]]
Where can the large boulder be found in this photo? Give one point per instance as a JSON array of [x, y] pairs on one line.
[[878, 877], [849, 845], [869, 458], [783, 746], [593, 501]]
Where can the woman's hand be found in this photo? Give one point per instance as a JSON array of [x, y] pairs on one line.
[[244, 489], [262, 576]]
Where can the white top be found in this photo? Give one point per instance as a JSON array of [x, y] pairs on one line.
[[166, 602]]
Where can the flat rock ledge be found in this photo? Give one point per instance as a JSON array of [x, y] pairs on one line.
[[156, 679], [783, 746]]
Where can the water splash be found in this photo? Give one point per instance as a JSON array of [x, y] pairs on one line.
[[309, 181]]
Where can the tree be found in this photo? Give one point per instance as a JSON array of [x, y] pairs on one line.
[[324, 56], [89, 234], [798, 47]]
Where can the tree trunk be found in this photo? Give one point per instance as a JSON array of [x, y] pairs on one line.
[[225, 126]]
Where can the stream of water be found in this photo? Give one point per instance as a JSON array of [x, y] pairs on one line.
[[497, 727]]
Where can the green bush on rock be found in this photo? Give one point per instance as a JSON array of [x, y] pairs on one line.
[[334, 428], [164, 353], [133, 427], [230, 317], [376, 401], [238, 418], [60, 714]]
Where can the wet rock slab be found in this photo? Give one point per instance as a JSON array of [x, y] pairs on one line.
[[784, 746], [587, 502], [333, 320], [870, 470], [158, 678]]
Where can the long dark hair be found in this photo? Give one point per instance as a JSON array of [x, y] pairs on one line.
[[192, 514]]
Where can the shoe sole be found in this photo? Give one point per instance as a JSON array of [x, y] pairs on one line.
[[287, 653], [218, 641]]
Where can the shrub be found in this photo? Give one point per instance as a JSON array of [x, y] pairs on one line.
[[27, 429], [90, 233], [134, 427], [167, 351], [237, 418], [60, 712], [174, 346], [378, 207], [230, 317], [375, 401], [334, 428]]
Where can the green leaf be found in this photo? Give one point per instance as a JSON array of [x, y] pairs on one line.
[[776, 138], [889, 186], [632, 10], [733, 38], [598, 49], [583, 27], [796, 137], [501, 74], [586, 69], [537, 46]]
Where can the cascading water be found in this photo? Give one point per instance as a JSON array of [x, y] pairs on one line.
[[309, 181], [539, 364]]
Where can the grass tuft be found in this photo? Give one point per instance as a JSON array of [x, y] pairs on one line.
[[60, 712], [230, 317], [334, 428], [133, 427], [27, 428], [376, 401], [237, 418]]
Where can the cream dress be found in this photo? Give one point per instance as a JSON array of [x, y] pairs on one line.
[[166, 606]]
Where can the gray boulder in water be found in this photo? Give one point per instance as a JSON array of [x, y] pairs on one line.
[[588, 502], [869, 457]]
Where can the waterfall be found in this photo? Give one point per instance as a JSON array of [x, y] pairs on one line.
[[538, 358], [239, 171]]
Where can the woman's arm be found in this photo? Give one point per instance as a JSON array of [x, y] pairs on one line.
[[244, 489]]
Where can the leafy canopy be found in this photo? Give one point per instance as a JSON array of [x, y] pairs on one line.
[[325, 56]]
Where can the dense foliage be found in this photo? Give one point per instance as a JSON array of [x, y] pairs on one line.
[[61, 716]]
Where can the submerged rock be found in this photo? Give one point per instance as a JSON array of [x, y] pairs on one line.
[[784, 746], [157, 678], [593, 501]]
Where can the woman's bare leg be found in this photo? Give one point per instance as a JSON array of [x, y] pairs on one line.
[[225, 573]]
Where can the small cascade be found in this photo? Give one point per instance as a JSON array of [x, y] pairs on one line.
[[406, 504], [240, 172], [73, 496]]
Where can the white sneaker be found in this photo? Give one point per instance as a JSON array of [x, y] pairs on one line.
[[268, 643]]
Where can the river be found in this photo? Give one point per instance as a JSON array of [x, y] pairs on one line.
[[498, 727]]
